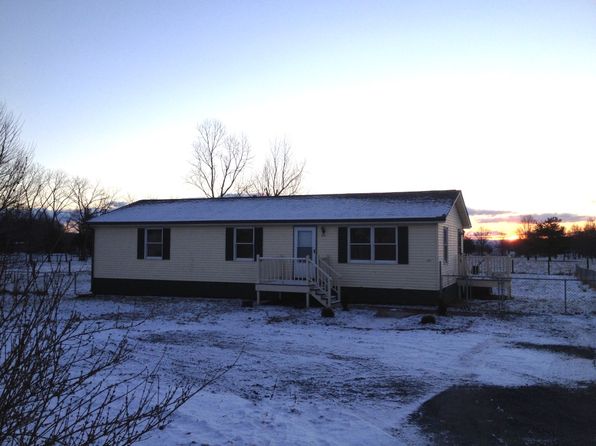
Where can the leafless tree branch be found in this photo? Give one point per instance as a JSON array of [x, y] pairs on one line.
[[59, 385], [15, 159], [218, 159], [281, 174], [89, 200]]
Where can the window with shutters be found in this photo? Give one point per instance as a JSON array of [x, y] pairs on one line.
[[154, 243], [244, 243], [372, 244], [446, 244]]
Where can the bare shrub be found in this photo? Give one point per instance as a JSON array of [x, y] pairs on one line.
[[60, 383]]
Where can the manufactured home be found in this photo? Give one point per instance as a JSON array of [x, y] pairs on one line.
[[366, 248]]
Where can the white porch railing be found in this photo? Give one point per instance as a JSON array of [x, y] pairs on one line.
[[281, 270], [485, 266], [288, 271]]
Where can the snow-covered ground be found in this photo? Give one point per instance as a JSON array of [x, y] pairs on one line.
[[353, 379]]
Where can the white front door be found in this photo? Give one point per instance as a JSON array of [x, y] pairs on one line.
[[305, 245]]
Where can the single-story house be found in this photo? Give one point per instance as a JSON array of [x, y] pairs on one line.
[[369, 247]]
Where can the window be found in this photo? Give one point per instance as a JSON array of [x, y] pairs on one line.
[[244, 243], [460, 249], [153, 243], [360, 247], [372, 244], [445, 244], [385, 244]]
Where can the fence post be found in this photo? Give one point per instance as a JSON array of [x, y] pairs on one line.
[[75, 283], [258, 268], [587, 263], [565, 285], [440, 280], [549, 267], [512, 266]]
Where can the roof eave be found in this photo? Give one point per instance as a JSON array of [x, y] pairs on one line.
[[305, 221], [463, 211]]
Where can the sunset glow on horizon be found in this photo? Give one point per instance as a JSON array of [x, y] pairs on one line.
[[507, 230]]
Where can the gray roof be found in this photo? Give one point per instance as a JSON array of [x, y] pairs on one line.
[[392, 206]]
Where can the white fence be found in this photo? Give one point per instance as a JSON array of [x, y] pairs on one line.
[[489, 266], [41, 283], [588, 276]]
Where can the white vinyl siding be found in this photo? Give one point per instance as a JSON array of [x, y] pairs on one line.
[[197, 253], [420, 273], [450, 268]]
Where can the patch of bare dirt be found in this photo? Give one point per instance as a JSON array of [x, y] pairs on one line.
[[570, 350], [492, 415]]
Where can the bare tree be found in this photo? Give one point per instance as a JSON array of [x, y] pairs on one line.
[[218, 159], [526, 227], [89, 200], [281, 174], [15, 159], [57, 193], [31, 192], [59, 385], [482, 237], [526, 244]]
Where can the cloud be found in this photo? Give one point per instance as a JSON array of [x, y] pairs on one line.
[[501, 218], [566, 217], [486, 212], [516, 218]]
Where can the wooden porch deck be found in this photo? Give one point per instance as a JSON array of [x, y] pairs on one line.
[[298, 275], [484, 272]]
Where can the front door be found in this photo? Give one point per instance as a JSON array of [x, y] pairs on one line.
[[305, 245]]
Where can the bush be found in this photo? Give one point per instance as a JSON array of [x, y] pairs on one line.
[[428, 319], [327, 312], [442, 308]]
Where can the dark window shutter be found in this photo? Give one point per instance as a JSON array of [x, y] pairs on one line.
[[403, 247], [166, 244], [229, 243], [258, 242], [140, 243], [342, 244]]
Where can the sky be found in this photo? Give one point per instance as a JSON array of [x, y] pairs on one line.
[[497, 99]]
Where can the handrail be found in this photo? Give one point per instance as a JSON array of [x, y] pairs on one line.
[[284, 271], [324, 284], [329, 267]]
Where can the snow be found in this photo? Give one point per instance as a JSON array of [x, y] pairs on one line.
[[389, 206], [354, 379]]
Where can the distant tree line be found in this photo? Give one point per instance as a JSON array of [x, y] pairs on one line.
[[546, 238], [550, 239], [43, 210]]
